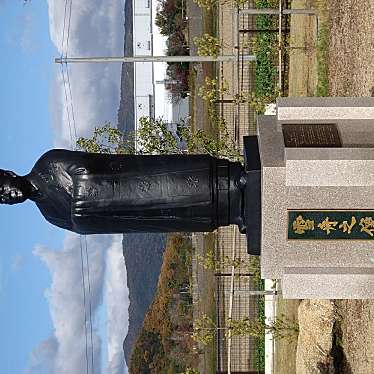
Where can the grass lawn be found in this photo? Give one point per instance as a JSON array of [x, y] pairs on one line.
[[285, 351], [199, 119], [322, 66], [322, 49], [208, 301], [192, 101], [308, 72]]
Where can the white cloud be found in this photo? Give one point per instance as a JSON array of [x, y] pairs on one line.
[[65, 299], [27, 41], [96, 29], [116, 289], [17, 262], [42, 358], [65, 351]]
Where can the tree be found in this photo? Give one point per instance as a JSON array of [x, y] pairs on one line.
[[250, 264], [178, 85], [171, 22], [108, 139], [164, 344], [147, 350], [207, 45], [206, 4], [282, 328], [211, 90], [191, 371], [155, 136]]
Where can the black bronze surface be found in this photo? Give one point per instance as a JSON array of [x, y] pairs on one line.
[[252, 164], [91, 193]]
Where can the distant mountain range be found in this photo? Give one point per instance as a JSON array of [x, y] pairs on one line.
[[143, 253], [126, 111]]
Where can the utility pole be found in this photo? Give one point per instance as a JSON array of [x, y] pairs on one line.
[[98, 59]]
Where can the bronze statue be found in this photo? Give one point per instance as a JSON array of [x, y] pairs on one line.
[[92, 193]]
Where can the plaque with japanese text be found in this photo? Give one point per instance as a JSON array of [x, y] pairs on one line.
[[311, 135], [330, 224]]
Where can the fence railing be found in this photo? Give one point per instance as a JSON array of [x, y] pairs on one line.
[[238, 293]]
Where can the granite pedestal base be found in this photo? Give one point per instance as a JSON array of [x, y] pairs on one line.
[[311, 175]]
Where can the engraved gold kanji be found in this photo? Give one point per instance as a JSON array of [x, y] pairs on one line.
[[348, 227], [367, 225], [300, 225], [327, 225]]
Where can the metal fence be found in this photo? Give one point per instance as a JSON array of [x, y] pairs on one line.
[[234, 287], [234, 296], [243, 348]]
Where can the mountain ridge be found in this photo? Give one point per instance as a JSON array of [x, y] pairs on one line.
[[143, 252], [126, 110]]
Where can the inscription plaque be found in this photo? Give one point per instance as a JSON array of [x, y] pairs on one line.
[[330, 224], [311, 135]]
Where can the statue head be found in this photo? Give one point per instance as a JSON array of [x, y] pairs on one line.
[[13, 188]]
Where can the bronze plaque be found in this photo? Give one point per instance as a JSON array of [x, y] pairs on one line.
[[311, 135]]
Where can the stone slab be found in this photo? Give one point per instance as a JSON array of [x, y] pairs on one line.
[[345, 153], [328, 283], [329, 108], [271, 143], [278, 252], [330, 173]]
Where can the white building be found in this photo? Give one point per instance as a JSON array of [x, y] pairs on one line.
[[143, 71], [151, 98]]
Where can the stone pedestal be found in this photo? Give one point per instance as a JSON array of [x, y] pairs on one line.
[[319, 175]]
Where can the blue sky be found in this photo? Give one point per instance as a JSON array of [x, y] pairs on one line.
[[40, 290], [26, 73]]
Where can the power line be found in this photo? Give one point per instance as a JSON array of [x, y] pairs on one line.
[[63, 29], [71, 122], [84, 302], [71, 103], [90, 305], [67, 39], [66, 25], [67, 108]]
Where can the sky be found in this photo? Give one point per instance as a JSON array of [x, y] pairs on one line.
[[41, 293]]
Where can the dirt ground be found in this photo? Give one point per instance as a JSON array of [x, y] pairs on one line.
[[357, 335], [351, 53], [350, 329], [351, 73]]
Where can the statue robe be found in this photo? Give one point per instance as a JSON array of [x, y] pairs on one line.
[[92, 193]]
